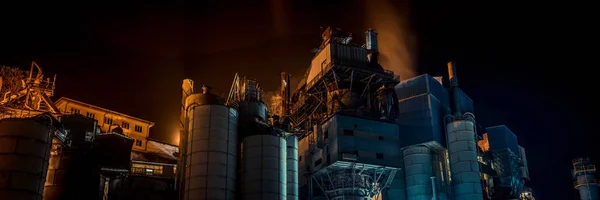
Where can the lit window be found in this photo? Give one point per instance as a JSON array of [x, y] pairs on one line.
[[108, 120], [75, 111], [138, 143], [90, 115], [138, 128], [146, 169], [125, 125]]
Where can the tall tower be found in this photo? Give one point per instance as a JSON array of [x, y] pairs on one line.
[[462, 147], [584, 173]]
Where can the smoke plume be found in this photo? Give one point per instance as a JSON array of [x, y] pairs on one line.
[[396, 42], [273, 101]]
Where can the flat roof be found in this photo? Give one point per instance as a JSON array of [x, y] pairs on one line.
[[102, 109]]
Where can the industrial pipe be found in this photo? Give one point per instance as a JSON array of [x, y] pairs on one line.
[[455, 104], [418, 169], [434, 192], [285, 93]]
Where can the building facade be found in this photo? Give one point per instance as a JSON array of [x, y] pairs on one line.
[[133, 127]]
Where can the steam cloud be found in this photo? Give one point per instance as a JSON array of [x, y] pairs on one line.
[[396, 42]]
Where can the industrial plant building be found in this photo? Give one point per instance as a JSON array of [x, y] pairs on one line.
[[349, 130], [84, 145]]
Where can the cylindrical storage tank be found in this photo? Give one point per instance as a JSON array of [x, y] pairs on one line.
[[397, 189], [71, 169], [584, 173], [250, 111], [264, 168], [292, 167], [24, 153], [464, 167], [210, 172], [418, 170], [55, 177]]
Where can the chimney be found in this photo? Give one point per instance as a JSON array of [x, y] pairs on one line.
[[455, 100], [285, 93]]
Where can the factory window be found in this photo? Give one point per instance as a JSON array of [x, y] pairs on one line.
[[138, 143], [380, 137], [108, 120], [75, 111], [379, 155], [90, 115], [151, 170], [318, 162], [125, 125], [348, 132], [138, 128]]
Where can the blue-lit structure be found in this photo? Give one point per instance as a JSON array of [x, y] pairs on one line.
[[413, 139], [354, 131], [345, 114], [584, 173]]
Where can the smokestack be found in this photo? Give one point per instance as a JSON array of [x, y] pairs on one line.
[[455, 101], [452, 74], [285, 93]]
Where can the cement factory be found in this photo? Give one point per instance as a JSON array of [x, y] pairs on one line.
[[349, 130]]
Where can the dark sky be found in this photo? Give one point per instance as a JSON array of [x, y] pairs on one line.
[[131, 57]]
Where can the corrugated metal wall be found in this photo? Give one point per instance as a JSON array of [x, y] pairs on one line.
[[348, 55]]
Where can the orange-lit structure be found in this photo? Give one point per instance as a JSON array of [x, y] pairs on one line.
[[26, 94], [99, 142]]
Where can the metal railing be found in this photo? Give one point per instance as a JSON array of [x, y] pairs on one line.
[[580, 183], [581, 160], [584, 168]]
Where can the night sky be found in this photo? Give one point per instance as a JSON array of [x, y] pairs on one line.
[[131, 57]]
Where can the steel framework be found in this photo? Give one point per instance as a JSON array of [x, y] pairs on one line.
[[311, 99], [352, 180]]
